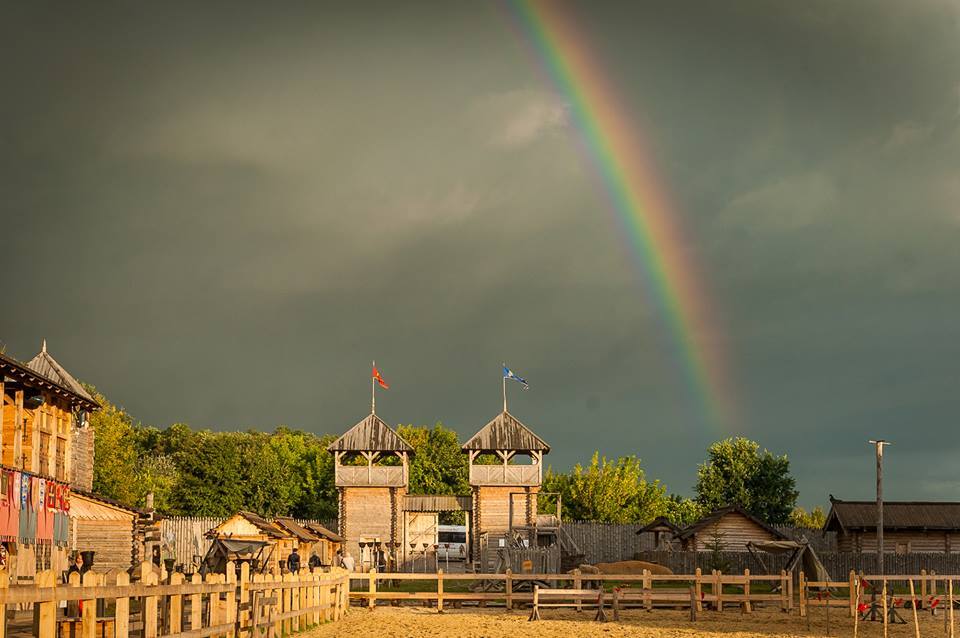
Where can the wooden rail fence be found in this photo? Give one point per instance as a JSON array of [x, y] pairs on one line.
[[171, 606], [715, 590]]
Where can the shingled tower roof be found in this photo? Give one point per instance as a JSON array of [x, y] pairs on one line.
[[506, 432], [45, 365], [371, 435]]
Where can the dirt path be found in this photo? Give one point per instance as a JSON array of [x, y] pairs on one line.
[[405, 622]]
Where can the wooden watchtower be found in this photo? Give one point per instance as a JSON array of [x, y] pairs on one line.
[[370, 503], [504, 493]]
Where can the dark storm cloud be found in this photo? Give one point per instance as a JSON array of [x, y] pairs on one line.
[[220, 215]]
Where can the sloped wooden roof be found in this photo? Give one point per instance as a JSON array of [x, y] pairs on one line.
[[267, 528], [659, 524], [370, 435], [296, 529], [25, 374], [323, 532], [904, 515], [45, 364], [506, 432], [717, 514]]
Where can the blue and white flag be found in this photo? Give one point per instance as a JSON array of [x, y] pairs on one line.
[[508, 374]]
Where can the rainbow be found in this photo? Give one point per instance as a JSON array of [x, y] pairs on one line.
[[616, 149]]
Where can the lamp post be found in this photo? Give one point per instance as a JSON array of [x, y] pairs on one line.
[[879, 443]]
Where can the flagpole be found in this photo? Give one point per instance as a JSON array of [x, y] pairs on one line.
[[504, 380], [373, 389]]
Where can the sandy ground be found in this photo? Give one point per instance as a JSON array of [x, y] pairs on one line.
[[385, 622]]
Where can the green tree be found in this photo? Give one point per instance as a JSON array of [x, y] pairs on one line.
[[608, 491], [438, 465], [815, 519], [737, 472], [682, 511], [115, 452]]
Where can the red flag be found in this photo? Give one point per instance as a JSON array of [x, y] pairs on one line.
[[379, 379]]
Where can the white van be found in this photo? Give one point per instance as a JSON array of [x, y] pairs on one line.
[[452, 542]]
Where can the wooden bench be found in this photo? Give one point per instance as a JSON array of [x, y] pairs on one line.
[[567, 598]]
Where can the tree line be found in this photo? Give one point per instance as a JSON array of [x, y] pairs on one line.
[[289, 472]]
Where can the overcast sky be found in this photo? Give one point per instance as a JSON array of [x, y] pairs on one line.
[[220, 214]]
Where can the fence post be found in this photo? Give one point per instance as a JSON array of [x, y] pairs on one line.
[[88, 618], [176, 605], [230, 604], [852, 586], [276, 607], [439, 591], [718, 588], [698, 585], [149, 577], [933, 592], [746, 592], [196, 605], [324, 600], [803, 595], [372, 574], [784, 605], [4, 583], [647, 584], [121, 624], [509, 589], [45, 614], [578, 584], [923, 588]]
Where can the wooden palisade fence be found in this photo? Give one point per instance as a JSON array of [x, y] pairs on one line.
[[162, 605]]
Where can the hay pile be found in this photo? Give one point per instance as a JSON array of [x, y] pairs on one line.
[[629, 567]]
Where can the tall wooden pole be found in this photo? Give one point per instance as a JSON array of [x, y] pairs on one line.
[[373, 388], [879, 443]]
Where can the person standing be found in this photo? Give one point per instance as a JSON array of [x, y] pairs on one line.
[[293, 561]]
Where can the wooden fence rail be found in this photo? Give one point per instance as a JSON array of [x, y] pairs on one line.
[[159, 604], [714, 589]]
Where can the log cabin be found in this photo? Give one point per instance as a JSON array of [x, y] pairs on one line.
[[504, 494], [105, 527], [371, 494], [908, 526], [46, 450], [731, 527]]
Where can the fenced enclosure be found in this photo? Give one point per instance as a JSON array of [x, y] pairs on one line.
[[162, 604]]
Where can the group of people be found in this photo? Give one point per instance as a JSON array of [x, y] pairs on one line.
[[293, 561]]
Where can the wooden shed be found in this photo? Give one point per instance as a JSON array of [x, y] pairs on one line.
[[305, 538], [371, 493], [248, 526], [663, 532], [732, 526], [504, 493], [908, 526], [105, 527], [327, 545]]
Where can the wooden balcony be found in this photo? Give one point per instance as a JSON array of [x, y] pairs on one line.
[[370, 476], [507, 475]]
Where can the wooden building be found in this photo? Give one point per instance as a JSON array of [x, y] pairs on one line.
[[371, 464], [106, 528], [247, 526], [732, 527], [908, 526], [305, 539], [504, 493], [663, 532], [46, 448], [327, 545]]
